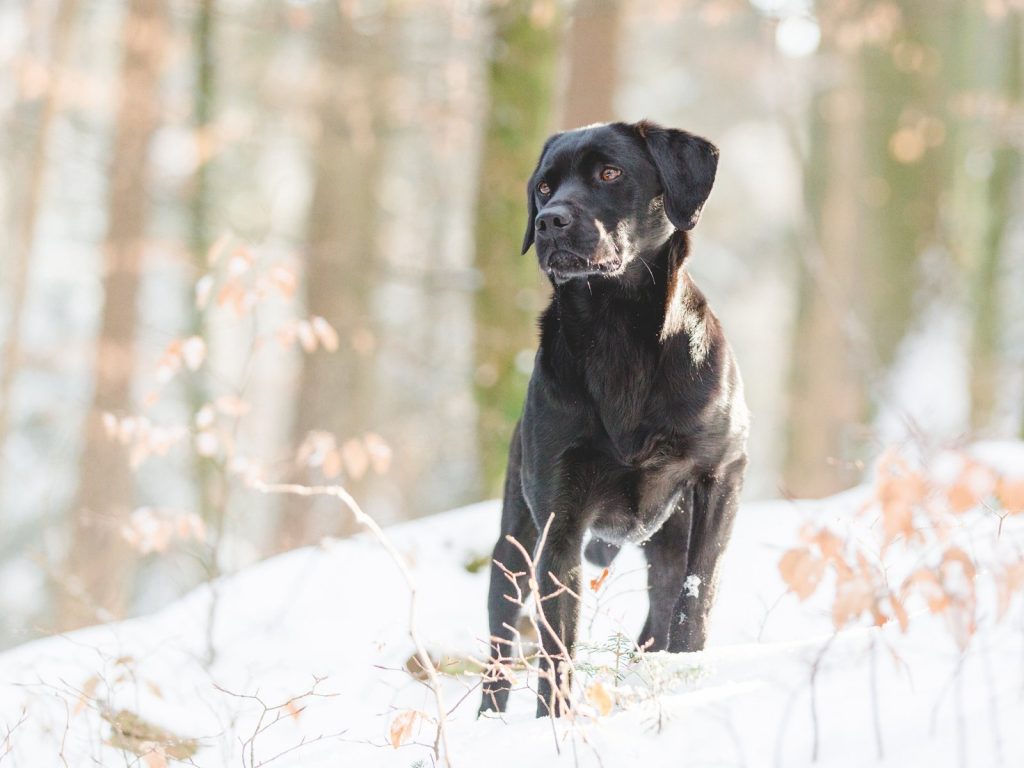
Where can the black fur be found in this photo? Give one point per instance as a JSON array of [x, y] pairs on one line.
[[634, 426]]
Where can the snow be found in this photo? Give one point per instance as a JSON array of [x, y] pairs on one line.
[[692, 585], [339, 612]]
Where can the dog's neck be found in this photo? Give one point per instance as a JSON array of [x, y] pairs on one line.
[[656, 281], [654, 300]]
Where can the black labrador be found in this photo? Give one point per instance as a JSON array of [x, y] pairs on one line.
[[634, 425]]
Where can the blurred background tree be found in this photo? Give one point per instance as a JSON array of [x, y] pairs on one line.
[[328, 199], [521, 81]]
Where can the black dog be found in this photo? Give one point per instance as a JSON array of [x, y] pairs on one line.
[[634, 425]]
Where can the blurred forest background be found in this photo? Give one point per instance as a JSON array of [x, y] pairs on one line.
[[280, 239]]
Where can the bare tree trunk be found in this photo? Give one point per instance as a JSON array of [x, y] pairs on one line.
[[593, 48], [909, 156], [99, 563], [211, 487], [521, 80], [991, 53], [827, 388], [336, 390], [33, 177], [875, 189]]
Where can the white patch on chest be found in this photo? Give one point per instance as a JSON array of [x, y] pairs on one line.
[[692, 585]]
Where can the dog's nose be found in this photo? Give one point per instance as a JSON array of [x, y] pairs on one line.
[[553, 219]]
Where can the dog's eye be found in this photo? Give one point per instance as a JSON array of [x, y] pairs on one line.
[[608, 173], [544, 188]]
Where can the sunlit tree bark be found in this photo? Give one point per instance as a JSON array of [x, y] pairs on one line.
[[210, 485], [882, 138], [336, 390], [986, 173], [30, 181], [595, 29], [95, 581], [522, 76], [826, 390]]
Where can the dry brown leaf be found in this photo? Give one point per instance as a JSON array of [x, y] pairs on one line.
[[232, 294], [230, 405], [204, 287], [597, 583], [332, 464], [87, 693], [801, 571], [355, 458], [401, 727], [193, 352], [284, 280], [854, 596], [900, 612], [974, 483], [379, 452], [325, 333], [961, 498], [600, 698], [307, 339], [293, 709], [169, 362], [217, 249], [190, 526], [899, 490], [241, 260], [927, 584], [130, 732], [1011, 494], [831, 546], [1010, 582], [415, 667], [956, 556]]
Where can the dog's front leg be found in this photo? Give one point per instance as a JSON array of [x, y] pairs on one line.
[[715, 502], [558, 579]]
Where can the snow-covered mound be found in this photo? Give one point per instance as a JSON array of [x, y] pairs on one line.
[[776, 685]]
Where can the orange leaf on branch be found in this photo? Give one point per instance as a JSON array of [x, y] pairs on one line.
[[599, 697], [974, 484], [401, 727], [899, 490], [854, 596], [802, 571], [1010, 492], [1009, 583]]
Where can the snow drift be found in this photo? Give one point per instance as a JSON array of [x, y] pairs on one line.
[[310, 651]]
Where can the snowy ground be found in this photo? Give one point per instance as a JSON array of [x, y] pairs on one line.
[[339, 613]]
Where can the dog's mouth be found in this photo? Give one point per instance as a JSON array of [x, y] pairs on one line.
[[564, 265]]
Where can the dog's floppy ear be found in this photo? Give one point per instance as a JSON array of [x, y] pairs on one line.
[[531, 214], [686, 165], [531, 204]]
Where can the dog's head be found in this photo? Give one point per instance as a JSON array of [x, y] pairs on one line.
[[602, 195]]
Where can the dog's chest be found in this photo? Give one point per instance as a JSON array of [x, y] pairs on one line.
[[619, 373]]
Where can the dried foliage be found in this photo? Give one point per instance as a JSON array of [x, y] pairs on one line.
[[244, 285], [921, 547], [130, 732]]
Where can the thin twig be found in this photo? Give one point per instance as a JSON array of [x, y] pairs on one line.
[[876, 714], [368, 522], [814, 695]]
